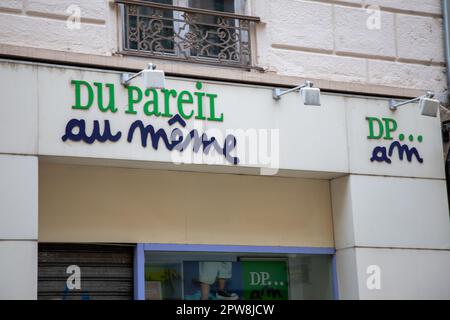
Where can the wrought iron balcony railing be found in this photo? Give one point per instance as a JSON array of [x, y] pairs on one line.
[[158, 30]]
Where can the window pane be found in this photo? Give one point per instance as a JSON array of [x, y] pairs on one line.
[[219, 38], [151, 29], [217, 5], [196, 276], [163, 281], [161, 1], [192, 36]]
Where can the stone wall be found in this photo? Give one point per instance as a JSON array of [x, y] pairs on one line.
[[335, 40]]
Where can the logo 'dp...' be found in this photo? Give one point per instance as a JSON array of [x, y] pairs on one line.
[[259, 278], [383, 129]]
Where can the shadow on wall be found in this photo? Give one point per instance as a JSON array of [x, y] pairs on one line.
[[445, 117]]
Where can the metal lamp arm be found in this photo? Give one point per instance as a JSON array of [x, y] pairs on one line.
[[291, 90], [393, 105], [277, 93], [126, 78]]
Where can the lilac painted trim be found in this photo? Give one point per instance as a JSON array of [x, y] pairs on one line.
[[139, 274], [334, 278], [236, 248]]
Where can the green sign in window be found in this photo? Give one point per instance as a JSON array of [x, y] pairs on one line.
[[265, 280]]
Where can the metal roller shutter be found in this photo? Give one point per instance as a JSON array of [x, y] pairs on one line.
[[106, 271]]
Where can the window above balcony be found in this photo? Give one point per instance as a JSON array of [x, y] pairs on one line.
[[201, 31]]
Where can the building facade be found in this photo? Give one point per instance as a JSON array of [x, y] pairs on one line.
[[210, 188]]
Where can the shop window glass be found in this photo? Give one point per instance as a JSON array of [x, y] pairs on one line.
[[196, 276]]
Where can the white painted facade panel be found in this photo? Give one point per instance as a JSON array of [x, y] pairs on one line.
[[371, 211], [18, 270], [404, 274], [393, 274], [346, 270], [19, 109], [409, 123], [19, 197]]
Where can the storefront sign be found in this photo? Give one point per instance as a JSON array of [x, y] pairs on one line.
[[384, 129], [157, 104], [88, 116]]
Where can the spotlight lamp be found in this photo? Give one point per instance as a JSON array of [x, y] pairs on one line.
[[428, 106], [151, 78], [310, 95]]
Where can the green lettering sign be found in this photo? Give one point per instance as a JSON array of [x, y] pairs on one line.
[[111, 104], [390, 125], [132, 100], [185, 97], [188, 104], [153, 102], [167, 94], [212, 110], [380, 128], [199, 96], [78, 84]]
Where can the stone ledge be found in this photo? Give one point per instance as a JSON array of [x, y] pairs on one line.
[[185, 69]]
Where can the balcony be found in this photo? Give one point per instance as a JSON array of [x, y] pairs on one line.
[[164, 31]]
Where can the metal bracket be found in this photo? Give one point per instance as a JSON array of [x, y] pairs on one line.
[[277, 92], [394, 104], [125, 78]]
